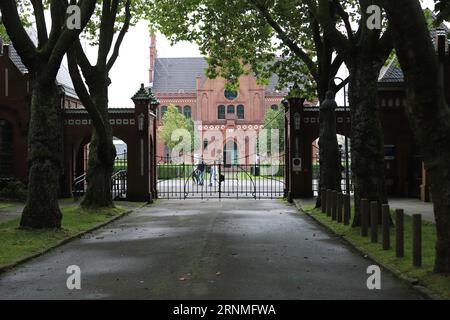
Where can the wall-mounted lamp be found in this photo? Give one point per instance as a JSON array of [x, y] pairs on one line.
[[141, 122]]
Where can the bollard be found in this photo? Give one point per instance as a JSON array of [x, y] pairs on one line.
[[385, 226], [340, 200], [329, 202], [323, 201], [334, 207], [364, 208], [347, 213], [399, 234], [374, 221], [417, 240]]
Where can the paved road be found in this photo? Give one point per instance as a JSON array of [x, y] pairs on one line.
[[243, 249]]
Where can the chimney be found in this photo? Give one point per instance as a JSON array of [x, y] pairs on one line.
[[153, 54]]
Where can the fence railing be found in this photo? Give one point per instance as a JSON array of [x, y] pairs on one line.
[[181, 181], [118, 179]]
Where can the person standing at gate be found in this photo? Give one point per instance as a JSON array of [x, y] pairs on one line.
[[213, 174], [201, 172]]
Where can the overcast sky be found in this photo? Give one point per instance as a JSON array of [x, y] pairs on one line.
[[132, 68]]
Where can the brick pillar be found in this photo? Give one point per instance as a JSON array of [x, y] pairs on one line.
[[153, 125], [299, 153], [138, 184]]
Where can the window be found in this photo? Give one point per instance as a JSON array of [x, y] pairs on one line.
[[180, 109], [230, 109], [274, 107], [205, 144], [221, 112], [163, 111], [230, 95], [187, 112], [240, 112]]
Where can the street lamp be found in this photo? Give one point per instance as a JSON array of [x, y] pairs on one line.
[[346, 132]]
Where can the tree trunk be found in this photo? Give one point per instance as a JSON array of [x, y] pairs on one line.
[[44, 158], [102, 155], [428, 111], [330, 168], [330, 173], [366, 134]]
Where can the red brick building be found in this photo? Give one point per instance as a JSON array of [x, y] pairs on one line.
[[15, 99], [182, 82]]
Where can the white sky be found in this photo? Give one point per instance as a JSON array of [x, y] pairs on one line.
[[132, 67]]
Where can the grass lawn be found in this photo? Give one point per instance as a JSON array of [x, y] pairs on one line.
[[17, 244], [436, 283], [4, 205]]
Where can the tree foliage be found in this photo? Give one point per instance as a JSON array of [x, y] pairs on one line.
[[173, 120], [443, 9], [237, 38], [274, 120]]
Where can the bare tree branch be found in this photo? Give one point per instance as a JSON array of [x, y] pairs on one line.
[[68, 37], [121, 36], [83, 93], [41, 26]]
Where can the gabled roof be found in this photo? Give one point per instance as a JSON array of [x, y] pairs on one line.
[[178, 75], [145, 94], [391, 73], [63, 77]]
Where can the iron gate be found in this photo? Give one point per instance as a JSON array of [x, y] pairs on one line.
[[185, 181], [118, 179]]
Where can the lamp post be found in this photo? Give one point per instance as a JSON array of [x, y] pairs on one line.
[[346, 131]]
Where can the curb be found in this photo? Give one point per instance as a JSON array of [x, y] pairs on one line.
[[10, 266], [413, 283]]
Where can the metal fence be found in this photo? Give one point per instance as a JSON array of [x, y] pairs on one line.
[[257, 181], [118, 179]]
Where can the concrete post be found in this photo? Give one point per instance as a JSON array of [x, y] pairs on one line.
[[323, 201], [340, 200], [374, 221], [399, 233], [347, 210], [417, 240], [334, 204], [365, 208], [386, 226]]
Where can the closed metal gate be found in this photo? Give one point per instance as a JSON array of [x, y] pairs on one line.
[[188, 181]]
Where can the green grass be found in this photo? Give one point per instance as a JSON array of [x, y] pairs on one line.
[[437, 283], [5, 205], [16, 244]]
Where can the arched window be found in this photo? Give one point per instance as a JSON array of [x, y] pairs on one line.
[[240, 112], [163, 111], [180, 109], [230, 109], [187, 112], [6, 149], [274, 107], [221, 112], [205, 144]]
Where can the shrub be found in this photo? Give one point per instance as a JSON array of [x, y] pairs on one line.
[[13, 190]]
